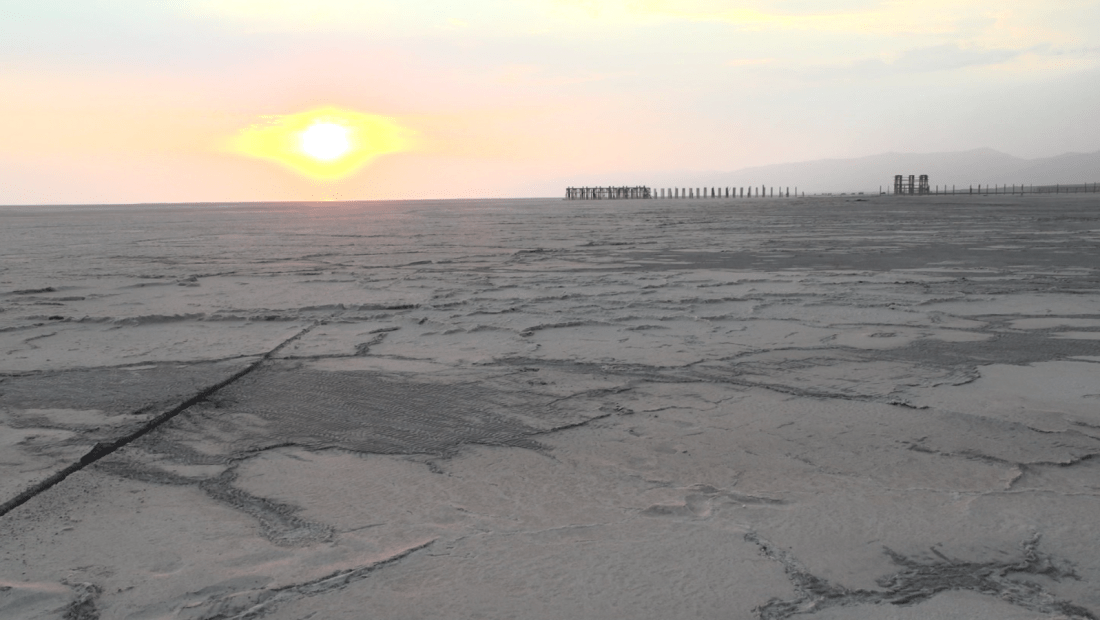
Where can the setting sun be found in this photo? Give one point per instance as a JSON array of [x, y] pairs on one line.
[[326, 143]]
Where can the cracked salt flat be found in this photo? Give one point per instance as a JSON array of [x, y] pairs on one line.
[[546, 410]]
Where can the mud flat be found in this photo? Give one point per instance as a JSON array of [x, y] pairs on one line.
[[833, 408]]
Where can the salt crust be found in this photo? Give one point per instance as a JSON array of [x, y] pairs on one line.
[[550, 410]]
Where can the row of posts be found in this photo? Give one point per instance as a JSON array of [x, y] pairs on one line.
[[611, 193], [607, 193], [900, 187], [911, 186], [725, 192]]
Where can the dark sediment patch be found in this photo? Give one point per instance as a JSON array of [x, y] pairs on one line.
[[1002, 347], [137, 431], [366, 412], [918, 581], [848, 258], [112, 390]]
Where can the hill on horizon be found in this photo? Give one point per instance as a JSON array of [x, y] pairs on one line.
[[983, 166]]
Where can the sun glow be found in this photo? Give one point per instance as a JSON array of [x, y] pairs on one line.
[[326, 143]]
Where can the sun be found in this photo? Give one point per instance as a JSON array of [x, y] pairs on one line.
[[325, 143]]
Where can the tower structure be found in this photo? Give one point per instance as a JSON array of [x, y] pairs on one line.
[[911, 185]]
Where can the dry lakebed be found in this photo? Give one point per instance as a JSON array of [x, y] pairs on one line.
[[831, 408]]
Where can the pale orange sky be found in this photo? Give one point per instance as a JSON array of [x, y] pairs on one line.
[[136, 101]]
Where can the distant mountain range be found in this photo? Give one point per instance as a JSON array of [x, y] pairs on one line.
[[962, 169]]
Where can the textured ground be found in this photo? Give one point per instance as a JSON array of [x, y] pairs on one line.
[[835, 408]]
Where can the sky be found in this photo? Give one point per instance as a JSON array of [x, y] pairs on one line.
[[125, 101]]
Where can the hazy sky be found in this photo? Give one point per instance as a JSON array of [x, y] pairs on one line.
[[158, 101]]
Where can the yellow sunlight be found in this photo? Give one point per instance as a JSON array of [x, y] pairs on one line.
[[326, 143]]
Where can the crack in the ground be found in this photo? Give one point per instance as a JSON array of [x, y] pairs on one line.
[[974, 455], [258, 602], [566, 427], [329, 583], [278, 522], [341, 424], [919, 581], [126, 366], [363, 349], [103, 449]]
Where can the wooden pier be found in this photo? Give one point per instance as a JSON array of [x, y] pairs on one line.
[[607, 193], [913, 187], [648, 193]]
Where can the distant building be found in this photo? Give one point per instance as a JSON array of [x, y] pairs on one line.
[[911, 186]]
